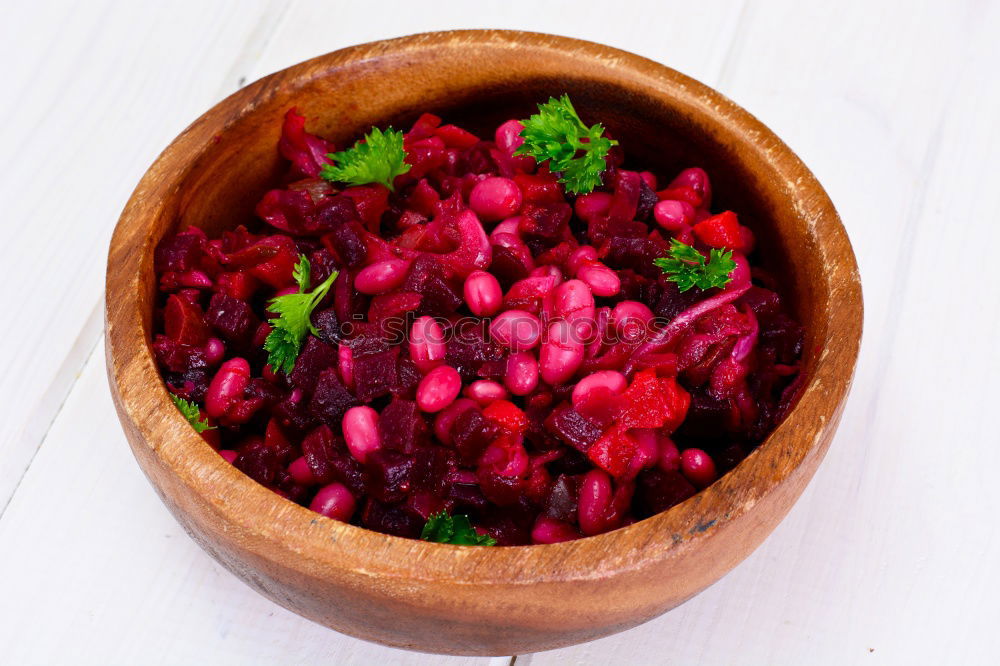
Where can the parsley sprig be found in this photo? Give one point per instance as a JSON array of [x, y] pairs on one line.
[[686, 266], [292, 324], [557, 135], [192, 413], [442, 528], [379, 158]]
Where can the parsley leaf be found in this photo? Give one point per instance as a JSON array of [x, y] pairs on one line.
[[300, 273], [292, 324], [442, 528], [191, 413], [573, 150], [379, 158], [686, 266]]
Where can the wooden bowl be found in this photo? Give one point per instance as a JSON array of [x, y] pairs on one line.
[[462, 600]]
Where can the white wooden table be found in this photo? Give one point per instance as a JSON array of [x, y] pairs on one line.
[[892, 554]]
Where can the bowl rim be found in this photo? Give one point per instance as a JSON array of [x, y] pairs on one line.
[[315, 544]]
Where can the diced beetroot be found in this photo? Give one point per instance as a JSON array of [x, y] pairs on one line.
[[424, 155], [424, 504], [407, 378], [510, 526], [179, 253], [427, 278], [465, 497], [391, 520], [424, 127], [368, 339], [493, 369], [238, 285], [647, 200], [658, 490], [508, 266], [329, 460], [348, 302], [546, 223], [527, 294], [306, 152], [347, 242], [334, 212], [424, 198], [259, 389], [474, 250], [601, 406], [561, 503], [293, 413], [672, 301], [785, 336], [568, 425], [402, 427], [233, 319], [500, 490], [258, 461], [542, 187], [316, 357], [431, 467], [292, 211], [375, 374], [331, 400], [393, 306], [467, 349], [637, 254], [456, 137], [184, 321], [328, 326], [371, 202], [390, 475], [625, 199], [190, 384], [471, 434], [269, 259], [764, 302]]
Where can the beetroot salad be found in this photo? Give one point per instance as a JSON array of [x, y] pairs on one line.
[[503, 340]]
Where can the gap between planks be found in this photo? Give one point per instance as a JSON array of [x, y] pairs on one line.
[[51, 400]]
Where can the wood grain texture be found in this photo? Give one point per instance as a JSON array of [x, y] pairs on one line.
[[481, 601]]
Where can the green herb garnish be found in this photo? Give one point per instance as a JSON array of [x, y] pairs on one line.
[[557, 135], [686, 266], [292, 324], [379, 158], [442, 528], [192, 413]]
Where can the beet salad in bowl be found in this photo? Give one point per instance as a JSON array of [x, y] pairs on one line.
[[514, 338]]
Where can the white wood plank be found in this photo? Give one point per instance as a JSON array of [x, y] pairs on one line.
[[95, 570], [690, 36], [92, 92], [891, 552]]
